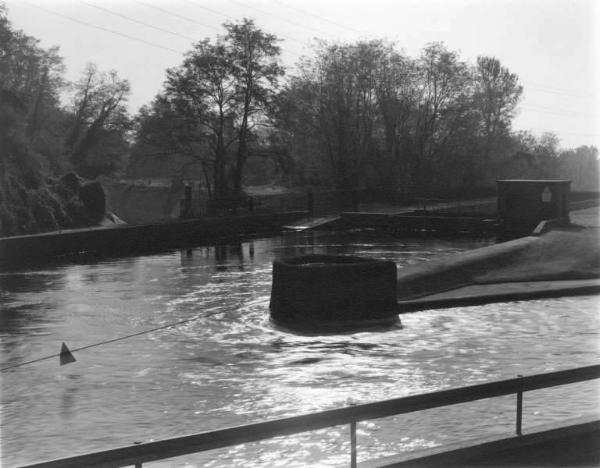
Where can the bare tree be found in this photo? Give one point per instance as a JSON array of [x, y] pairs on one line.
[[98, 109]]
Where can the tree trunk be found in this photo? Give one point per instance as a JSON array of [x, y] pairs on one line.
[[242, 145], [239, 164]]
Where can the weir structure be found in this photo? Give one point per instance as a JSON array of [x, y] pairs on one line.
[[535, 443], [527, 446]]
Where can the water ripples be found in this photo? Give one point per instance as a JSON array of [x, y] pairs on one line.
[[229, 365]]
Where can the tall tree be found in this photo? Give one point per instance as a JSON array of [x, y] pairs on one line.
[[225, 89], [334, 101], [99, 119], [203, 92], [30, 83], [255, 69], [31, 75], [444, 84], [297, 126], [397, 98], [497, 93], [166, 132]]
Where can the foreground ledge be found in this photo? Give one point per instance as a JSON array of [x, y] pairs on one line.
[[568, 443]]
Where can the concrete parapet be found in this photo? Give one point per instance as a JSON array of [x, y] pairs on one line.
[[417, 223], [127, 239]]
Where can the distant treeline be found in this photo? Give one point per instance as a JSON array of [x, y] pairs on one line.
[[360, 115]]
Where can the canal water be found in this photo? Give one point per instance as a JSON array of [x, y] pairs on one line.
[[230, 366]]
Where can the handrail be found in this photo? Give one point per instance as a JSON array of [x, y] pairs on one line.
[[151, 451]]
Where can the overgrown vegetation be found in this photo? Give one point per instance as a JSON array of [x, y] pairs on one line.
[[354, 115], [42, 140]]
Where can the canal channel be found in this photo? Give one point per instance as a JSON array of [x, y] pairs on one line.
[[230, 366]]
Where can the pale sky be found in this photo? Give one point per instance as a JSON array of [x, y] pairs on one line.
[[552, 45]]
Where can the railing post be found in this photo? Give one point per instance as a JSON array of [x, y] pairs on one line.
[[353, 444], [520, 407], [201, 442], [138, 464]]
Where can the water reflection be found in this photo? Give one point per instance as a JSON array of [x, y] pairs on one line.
[[239, 255], [30, 282], [222, 257], [71, 388]]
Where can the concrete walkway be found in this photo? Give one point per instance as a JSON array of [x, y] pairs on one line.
[[589, 217], [430, 205], [479, 294]]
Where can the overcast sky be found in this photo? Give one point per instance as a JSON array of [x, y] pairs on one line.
[[552, 45]]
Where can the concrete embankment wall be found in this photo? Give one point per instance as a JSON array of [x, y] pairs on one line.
[[458, 270], [144, 204], [569, 254], [127, 239]]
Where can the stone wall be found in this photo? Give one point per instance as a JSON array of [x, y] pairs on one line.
[[143, 203], [124, 239]]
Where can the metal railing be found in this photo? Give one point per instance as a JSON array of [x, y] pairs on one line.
[[137, 454]]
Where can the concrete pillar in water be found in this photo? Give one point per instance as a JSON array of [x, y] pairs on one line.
[[332, 293]]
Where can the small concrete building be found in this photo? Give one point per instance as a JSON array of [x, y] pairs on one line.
[[527, 202]]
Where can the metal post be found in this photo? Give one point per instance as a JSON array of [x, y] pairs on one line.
[[520, 408], [353, 444], [138, 464]]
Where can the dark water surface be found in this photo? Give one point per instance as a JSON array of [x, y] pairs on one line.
[[230, 366]]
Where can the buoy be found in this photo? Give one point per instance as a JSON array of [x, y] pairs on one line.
[[66, 357]]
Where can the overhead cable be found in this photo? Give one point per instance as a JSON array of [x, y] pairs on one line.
[[133, 20], [95, 26], [175, 15], [318, 17], [277, 17]]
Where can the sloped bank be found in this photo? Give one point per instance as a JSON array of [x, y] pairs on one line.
[[33, 205], [559, 262]]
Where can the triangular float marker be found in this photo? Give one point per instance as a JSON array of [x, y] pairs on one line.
[[65, 355]]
